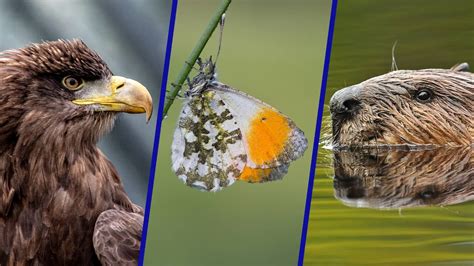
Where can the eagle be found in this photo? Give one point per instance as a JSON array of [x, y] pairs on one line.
[[61, 200]]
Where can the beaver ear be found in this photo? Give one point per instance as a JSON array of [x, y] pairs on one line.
[[463, 67]]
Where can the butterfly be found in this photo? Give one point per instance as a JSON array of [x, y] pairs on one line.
[[224, 135]]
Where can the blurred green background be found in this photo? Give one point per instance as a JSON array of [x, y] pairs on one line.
[[430, 34], [273, 50]]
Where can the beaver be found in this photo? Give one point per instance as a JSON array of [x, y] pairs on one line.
[[395, 179], [406, 107]]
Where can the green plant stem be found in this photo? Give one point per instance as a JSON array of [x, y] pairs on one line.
[[186, 69]]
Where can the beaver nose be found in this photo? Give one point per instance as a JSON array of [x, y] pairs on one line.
[[345, 101]]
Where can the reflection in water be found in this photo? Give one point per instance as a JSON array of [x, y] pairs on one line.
[[364, 34], [395, 179]]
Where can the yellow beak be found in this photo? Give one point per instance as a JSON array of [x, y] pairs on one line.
[[120, 95]]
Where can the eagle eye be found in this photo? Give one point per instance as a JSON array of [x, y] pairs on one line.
[[73, 83]]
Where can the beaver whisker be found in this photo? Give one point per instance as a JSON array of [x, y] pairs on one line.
[[374, 136], [394, 62], [406, 140]]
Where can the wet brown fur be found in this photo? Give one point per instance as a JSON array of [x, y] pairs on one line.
[[389, 114]]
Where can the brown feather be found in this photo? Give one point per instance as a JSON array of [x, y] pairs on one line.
[[117, 237], [54, 181]]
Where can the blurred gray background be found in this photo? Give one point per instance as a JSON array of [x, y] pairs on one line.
[[130, 35]]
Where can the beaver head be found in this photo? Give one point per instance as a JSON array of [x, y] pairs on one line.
[[429, 106]]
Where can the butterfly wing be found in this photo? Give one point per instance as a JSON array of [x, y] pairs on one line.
[[207, 149], [259, 175], [271, 139]]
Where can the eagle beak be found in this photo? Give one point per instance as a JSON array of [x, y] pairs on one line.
[[122, 95]]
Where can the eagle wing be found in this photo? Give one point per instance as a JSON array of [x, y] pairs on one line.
[[117, 236]]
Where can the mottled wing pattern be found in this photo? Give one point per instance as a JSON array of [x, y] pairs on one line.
[[117, 236], [225, 135], [207, 149], [271, 139]]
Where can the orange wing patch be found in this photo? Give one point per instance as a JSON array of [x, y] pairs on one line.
[[254, 175], [225, 135], [267, 136], [259, 175]]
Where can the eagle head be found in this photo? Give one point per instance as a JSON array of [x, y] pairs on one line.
[[61, 87], [56, 100]]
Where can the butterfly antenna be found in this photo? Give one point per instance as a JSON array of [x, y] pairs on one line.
[[221, 32], [394, 62]]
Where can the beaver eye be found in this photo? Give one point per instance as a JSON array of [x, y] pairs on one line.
[[73, 83], [423, 95]]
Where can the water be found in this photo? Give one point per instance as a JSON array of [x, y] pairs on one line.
[[395, 179], [394, 208]]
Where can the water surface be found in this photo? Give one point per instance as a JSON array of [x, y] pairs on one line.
[[354, 221]]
